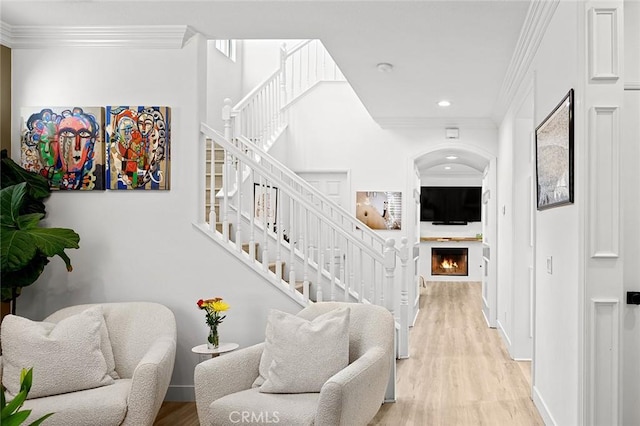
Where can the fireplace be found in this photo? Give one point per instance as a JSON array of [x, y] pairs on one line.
[[449, 261]]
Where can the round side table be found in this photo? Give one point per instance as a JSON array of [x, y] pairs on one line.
[[222, 348]]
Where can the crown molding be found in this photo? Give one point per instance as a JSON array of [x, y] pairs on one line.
[[426, 122], [533, 29], [143, 36]]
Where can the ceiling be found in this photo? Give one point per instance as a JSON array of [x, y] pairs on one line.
[[456, 50]]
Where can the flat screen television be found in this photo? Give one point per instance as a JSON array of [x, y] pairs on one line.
[[450, 205]]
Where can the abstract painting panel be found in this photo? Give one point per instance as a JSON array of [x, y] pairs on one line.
[[65, 145], [379, 209], [138, 142]]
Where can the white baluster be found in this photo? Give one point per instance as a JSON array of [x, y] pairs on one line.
[[389, 269], [283, 74], [292, 246], [265, 223], [239, 203], [212, 184], [252, 216], [404, 301], [278, 220], [332, 263], [304, 242], [320, 251], [345, 263]]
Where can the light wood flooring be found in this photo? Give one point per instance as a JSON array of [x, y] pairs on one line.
[[458, 373]]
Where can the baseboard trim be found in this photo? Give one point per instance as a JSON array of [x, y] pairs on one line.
[[181, 393], [542, 408]]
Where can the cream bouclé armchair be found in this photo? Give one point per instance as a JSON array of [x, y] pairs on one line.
[[143, 339], [351, 397]]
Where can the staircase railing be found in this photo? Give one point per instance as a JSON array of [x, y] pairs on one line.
[[291, 222], [260, 115]]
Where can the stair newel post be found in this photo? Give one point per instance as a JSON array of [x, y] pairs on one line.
[[252, 216], [388, 288], [228, 164], [278, 221], [292, 244], [404, 301], [283, 75]]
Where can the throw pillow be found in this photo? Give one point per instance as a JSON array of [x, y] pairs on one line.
[[65, 357], [105, 346], [300, 355]]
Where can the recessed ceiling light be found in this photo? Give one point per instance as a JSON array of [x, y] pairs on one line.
[[447, 167], [444, 103], [384, 67], [451, 157]]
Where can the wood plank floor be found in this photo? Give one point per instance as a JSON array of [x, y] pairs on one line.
[[459, 372]]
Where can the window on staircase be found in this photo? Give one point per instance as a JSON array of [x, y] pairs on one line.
[[227, 47]]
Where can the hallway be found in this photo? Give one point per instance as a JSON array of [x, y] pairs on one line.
[[459, 372]]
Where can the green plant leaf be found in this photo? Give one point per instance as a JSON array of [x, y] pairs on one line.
[[24, 276], [13, 406], [17, 248], [26, 378], [29, 221], [16, 419], [41, 419], [11, 199], [13, 174], [53, 241]]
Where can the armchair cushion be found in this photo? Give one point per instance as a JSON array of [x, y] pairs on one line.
[[66, 357], [300, 355], [288, 409]]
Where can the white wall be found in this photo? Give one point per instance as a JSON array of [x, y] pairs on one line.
[[224, 80], [141, 245], [261, 58], [337, 133], [556, 358]]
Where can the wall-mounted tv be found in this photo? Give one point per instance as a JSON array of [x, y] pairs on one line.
[[450, 205]]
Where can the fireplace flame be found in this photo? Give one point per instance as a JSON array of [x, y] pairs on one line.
[[448, 264]]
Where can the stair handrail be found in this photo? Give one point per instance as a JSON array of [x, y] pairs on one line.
[[355, 223], [218, 138], [245, 100]]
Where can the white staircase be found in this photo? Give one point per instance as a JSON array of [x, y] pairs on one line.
[[297, 238]]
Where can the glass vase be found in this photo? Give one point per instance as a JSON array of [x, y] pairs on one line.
[[213, 341]]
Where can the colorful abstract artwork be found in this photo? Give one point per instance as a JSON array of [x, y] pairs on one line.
[[138, 140], [65, 145]]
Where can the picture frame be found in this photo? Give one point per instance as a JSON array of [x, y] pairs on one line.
[[380, 210], [554, 141], [265, 204]]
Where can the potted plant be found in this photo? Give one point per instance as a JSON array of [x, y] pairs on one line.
[[25, 246]]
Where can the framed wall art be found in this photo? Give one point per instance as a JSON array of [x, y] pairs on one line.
[[65, 145], [554, 156], [138, 142], [379, 209], [265, 204]]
